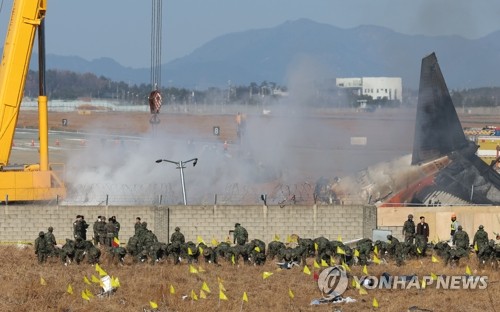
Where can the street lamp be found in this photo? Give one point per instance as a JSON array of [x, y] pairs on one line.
[[180, 165]]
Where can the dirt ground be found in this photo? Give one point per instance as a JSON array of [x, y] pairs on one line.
[[22, 289]]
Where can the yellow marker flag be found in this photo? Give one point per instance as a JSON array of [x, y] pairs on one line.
[[84, 296], [214, 242], [257, 249], [193, 295], [362, 291], [203, 295], [475, 247], [86, 280], [434, 276], [233, 261], [418, 250], [424, 284], [42, 281], [356, 253], [219, 280], [340, 251], [201, 250], [376, 259], [199, 239], [245, 296], [365, 270], [375, 303], [266, 275], [316, 265], [375, 250], [204, 287], [332, 261], [153, 305], [468, 271], [172, 290], [94, 279], [276, 237], [89, 294], [100, 270], [222, 296], [291, 294], [339, 238], [306, 270], [190, 252], [346, 267], [356, 284], [115, 282], [221, 287], [69, 290], [434, 259], [316, 246], [192, 269], [200, 269], [323, 263]]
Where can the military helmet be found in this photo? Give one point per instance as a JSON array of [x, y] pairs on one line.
[[460, 227], [481, 227], [177, 228], [389, 237], [41, 234], [51, 229], [410, 216], [237, 224]]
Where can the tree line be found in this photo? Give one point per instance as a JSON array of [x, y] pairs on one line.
[[67, 85]]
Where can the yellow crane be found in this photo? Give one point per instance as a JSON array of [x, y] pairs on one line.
[[27, 182]]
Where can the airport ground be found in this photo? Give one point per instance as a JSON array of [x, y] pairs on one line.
[[141, 284]]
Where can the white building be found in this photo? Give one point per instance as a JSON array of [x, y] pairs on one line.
[[390, 88]]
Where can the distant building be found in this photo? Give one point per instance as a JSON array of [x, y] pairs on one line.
[[379, 88]]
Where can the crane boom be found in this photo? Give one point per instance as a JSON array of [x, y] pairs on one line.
[[35, 181]]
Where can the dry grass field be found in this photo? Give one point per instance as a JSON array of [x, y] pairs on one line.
[[21, 288]]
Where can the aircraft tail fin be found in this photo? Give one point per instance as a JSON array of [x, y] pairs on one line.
[[438, 131]]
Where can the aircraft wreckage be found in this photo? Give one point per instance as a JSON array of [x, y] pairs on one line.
[[442, 170]]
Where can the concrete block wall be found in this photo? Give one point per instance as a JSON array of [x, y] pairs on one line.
[[22, 223]]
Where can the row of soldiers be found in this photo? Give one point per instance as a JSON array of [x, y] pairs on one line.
[[144, 245]]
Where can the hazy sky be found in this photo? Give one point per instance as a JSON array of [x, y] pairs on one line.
[[120, 29]]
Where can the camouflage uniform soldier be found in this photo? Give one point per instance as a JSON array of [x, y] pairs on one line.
[[133, 247], [117, 226], [68, 251], [137, 224], [409, 229], [80, 247], [51, 242], [177, 236], [481, 238], [41, 249], [93, 253], [110, 232], [101, 231], [461, 241], [208, 253], [486, 253], [273, 249], [391, 247], [364, 248], [240, 235]]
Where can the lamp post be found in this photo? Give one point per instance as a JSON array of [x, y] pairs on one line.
[[180, 165]]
